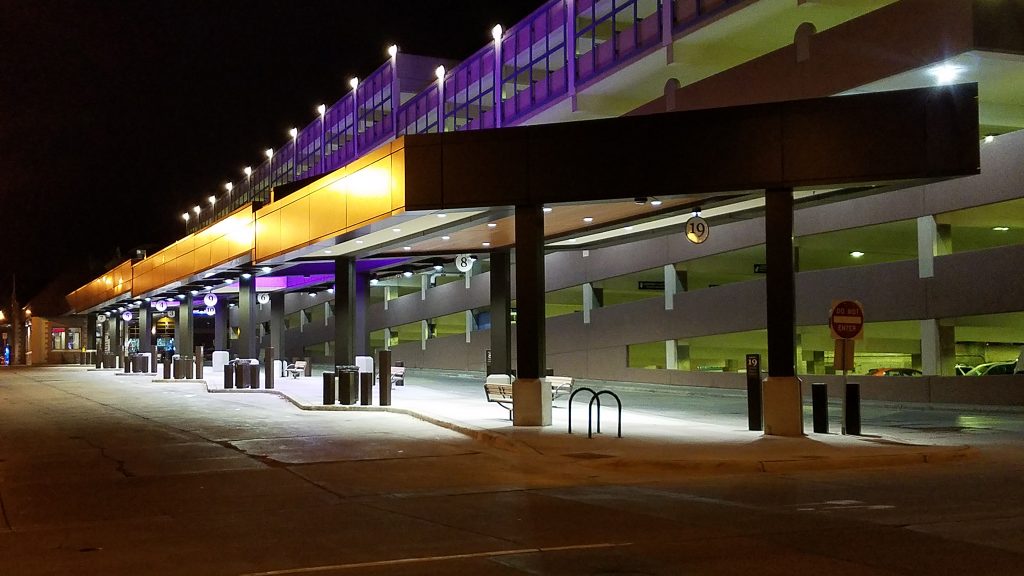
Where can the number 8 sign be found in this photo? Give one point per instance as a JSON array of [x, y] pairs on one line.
[[697, 229], [464, 262]]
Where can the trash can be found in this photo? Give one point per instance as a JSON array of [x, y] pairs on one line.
[[229, 375], [253, 370], [329, 389], [348, 384], [167, 367], [240, 381], [179, 367], [187, 363], [366, 388]]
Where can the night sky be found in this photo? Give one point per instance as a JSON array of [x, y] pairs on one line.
[[118, 115]]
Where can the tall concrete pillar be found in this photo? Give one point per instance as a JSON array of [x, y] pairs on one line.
[[501, 312], [933, 239], [90, 332], [938, 348], [117, 335], [783, 405], [590, 301], [186, 320], [533, 401], [248, 344], [221, 325], [344, 310], [277, 324], [146, 328]]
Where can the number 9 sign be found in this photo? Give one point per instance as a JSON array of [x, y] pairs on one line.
[[697, 229], [464, 262]]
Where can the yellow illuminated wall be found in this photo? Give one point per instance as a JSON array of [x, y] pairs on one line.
[[227, 239], [111, 285], [370, 189]]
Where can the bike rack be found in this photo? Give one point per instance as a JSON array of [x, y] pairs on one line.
[[595, 397]]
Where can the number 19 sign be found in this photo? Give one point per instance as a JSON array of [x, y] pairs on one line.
[[697, 229]]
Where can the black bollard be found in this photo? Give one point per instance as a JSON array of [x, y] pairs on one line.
[[167, 367], [329, 396], [819, 407], [366, 388], [268, 372], [384, 362], [199, 362], [229, 375], [851, 410], [240, 375]]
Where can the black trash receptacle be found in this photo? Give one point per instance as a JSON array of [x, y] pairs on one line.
[[167, 367], [240, 381], [229, 375], [329, 389], [179, 367], [348, 384], [254, 374]]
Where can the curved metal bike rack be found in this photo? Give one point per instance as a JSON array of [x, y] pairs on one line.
[[595, 397]]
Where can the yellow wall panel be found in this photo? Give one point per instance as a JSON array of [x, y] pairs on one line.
[[398, 178], [268, 233], [369, 192], [295, 222], [327, 211]]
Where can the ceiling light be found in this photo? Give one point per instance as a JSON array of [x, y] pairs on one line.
[[588, 219], [180, 296], [359, 241], [328, 252], [438, 267], [546, 209], [1001, 228], [628, 228], [266, 268], [989, 138], [227, 280], [492, 225], [655, 202], [246, 275], [312, 294], [396, 230], [446, 237], [442, 215], [374, 281], [407, 273], [856, 253], [149, 299], [193, 292], [945, 73], [406, 248], [485, 244], [330, 290], [208, 274]]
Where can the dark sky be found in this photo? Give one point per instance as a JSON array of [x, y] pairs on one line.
[[117, 115]]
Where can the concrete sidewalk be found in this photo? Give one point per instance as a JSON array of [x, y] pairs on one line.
[[650, 442]]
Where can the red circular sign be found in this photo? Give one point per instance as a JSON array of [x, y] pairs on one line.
[[846, 319]]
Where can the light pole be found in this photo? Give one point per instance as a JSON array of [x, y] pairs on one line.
[[322, 109], [294, 132]]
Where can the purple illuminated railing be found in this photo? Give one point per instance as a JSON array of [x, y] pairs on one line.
[[535, 70]]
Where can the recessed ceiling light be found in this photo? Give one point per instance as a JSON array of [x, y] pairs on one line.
[[330, 290], [546, 209], [227, 280], [856, 253], [945, 73], [492, 225], [442, 215], [446, 237], [407, 274], [486, 244], [246, 275], [655, 202], [359, 241], [573, 240], [266, 268], [328, 252], [628, 228], [396, 230], [588, 219], [1001, 228], [374, 281], [193, 292], [407, 248]]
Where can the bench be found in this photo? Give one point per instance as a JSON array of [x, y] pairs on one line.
[[498, 388], [297, 369]]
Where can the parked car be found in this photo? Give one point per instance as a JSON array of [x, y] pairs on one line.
[[993, 368], [894, 372]]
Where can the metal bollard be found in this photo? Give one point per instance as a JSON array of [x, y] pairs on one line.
[[329, 388], [187, 363], [268, 373], [239, 376], [229, 375], [851, 410], [199, 362], [254, 375], [348, 384], [127, 365], [384, 373], [365, 388], [819, 407], [179, 368], [167, 367]]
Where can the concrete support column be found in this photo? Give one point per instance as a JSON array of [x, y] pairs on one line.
[[933, 239], [424, 334], [187, 322], [938, 348], [221, 325], [362, 303], [277, 324], [344, 310], [590, 301], [248, 345], [90, 332], [117, 335], [671, 360], [532, 400], [501, 312], [673, 285], [146, 329], [469, 326], [387, 338], [783, 405]]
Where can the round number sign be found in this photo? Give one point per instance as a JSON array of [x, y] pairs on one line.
[[160, 306], [464, 262], [697, 229], [210, 299]]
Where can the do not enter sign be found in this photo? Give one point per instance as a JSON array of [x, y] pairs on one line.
[[846, 320]]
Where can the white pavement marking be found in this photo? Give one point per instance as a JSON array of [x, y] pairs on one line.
[[398, 561]]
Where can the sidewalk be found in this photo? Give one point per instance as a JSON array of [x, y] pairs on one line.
[[650, 442]]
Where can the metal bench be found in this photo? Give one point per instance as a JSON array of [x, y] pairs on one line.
[[498, 388]]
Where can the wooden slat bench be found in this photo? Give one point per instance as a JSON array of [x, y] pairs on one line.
[[498, 389]]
